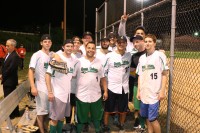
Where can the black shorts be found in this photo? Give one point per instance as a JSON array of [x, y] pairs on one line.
[[116, 103], [72, 99]]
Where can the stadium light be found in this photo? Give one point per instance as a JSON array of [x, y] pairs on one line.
[[196, 33]]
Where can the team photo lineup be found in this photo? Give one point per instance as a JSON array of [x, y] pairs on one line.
[[98, 83], [83, 83]]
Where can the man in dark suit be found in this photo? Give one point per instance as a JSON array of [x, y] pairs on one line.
[[10, 72]]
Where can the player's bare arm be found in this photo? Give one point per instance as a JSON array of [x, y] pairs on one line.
[[124, 17], [105, 88], [56, 57], [138, 91], [132, 71], [162, 93], [49, 87], [31, 72]]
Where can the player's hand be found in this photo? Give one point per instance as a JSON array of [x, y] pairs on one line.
[[124, 17], [161, 95], [57, 58], [138, 96], [105, 96], [50, 96], [34, 91]]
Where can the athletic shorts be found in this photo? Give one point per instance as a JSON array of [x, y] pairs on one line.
[[72, 99], [116, 103], [58, 109], [42, 103], [149, 111], [83, 110], [136, 102]]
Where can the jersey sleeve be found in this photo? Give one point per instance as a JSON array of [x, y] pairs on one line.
[[76, 67], [34, 60], [101, 72], [163, 59], [139, 68], [49, 70], [133, 65], [106, 64]]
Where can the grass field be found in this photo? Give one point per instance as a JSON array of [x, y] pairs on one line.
[[190, 55], [23, 74]]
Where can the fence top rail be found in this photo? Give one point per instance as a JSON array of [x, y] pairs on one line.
[[137, 13], [8, 104]]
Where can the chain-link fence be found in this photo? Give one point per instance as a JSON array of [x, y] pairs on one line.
[[182, 107]]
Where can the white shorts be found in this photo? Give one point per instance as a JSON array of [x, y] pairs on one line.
[[42, 103], [58, 109]]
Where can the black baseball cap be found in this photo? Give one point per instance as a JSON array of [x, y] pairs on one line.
[[45, 37], [123, 38], [105, 39], [87, 33], [136, 37], [140, 28], [68, 41], [112, 35]]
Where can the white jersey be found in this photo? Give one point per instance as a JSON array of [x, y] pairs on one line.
[[74, 79], [82, 48], [61, 83], [40, 61], [150, 70], [88, 79], [112, 48], [122, 32], [117, 68], [101, 56], [76, 55]]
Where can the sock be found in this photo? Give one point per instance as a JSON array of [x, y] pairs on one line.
[[59, 126], [53, 129], [142, 121], [96, 126], [79, 127]]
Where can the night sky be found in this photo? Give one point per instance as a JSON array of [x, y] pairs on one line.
[[15, 15]]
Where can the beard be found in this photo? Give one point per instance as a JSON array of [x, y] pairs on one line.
[[104, 47]]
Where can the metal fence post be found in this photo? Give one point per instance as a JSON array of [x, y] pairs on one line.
[[96, 26], [105, 22], [173, 26]]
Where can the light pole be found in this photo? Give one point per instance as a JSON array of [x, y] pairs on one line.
[[142, 14], [83, 16], [64, 25]]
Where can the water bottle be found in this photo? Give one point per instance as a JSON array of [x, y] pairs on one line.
[[27, 115]]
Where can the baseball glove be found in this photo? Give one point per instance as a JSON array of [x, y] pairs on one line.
[[59, 66]]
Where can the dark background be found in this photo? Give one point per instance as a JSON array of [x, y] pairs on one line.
[[31, 15]]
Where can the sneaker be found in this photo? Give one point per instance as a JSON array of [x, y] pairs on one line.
[[140, 129], [66, 127], [136, 124], [105, 129], [86, 128]]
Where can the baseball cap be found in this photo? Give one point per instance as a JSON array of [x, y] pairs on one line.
[[45, 37], [112, 35], [123, 38], [136, 37], [140, 28], [68, 41], [105, 39], [87, 33]]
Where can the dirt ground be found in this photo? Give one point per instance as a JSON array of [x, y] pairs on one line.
[[25, 101]]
